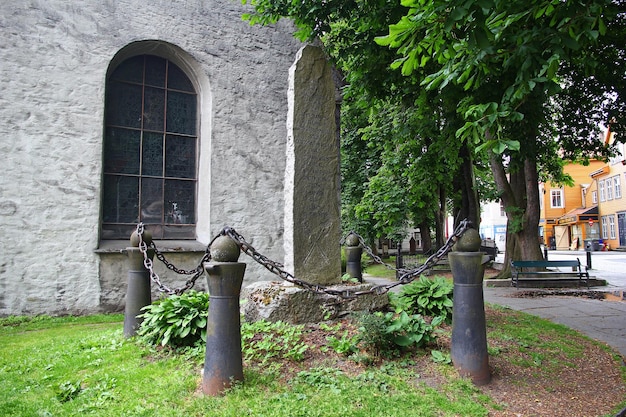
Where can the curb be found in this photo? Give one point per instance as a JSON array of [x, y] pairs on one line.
[[498, 283]]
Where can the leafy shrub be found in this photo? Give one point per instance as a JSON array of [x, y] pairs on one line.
[[373, 335], [177, 321], [441, 357], [387, 334], [426, 297], [410, 330], [347, 279], [262, 340], [321, 378]]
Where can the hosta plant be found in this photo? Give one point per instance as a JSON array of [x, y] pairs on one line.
[[410, 330], [176, 321], [430, 297]]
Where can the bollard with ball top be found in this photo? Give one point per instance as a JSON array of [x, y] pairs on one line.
[[223, 363], [354, 251], [469, 330], [138, 286]]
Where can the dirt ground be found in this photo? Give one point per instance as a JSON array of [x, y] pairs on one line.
[[588, 385]]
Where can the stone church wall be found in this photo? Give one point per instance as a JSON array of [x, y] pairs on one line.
[[54, 58]]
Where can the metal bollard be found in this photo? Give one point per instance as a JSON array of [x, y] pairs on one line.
[[589, 260], [138, 285], [354, 251], [223, 363], [469, 330]]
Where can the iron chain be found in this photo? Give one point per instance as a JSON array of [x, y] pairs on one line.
[[406, 277], [147, 262]]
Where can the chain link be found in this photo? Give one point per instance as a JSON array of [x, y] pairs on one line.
[[406, 277], [371, 253], [147, 262]]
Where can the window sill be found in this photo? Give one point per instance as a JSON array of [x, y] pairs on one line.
[[165, 246]]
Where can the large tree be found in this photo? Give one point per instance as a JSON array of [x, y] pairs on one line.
[[514, 81], [529, 69]]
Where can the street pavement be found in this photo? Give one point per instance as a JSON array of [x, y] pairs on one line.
[[603, 320]]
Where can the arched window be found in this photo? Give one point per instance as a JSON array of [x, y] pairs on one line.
[[150, 150]]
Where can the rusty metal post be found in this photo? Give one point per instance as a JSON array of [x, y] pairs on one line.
[[469, 329], [354, 251], [223, 363], [138, 285]]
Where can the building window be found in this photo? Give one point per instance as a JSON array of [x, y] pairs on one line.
[[594, 196], [611, 227], [150, 150], [601, 188], [617, 187], [502, 209], [556, 198], [605, 228], [609, 188]]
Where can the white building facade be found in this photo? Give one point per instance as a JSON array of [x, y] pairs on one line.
[[188, 82]]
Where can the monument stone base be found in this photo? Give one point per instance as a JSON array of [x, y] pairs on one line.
[[277, 301]]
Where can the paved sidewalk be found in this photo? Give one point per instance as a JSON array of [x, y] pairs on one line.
[[599, 319]]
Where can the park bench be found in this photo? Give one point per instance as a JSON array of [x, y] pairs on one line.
[[543, 271]]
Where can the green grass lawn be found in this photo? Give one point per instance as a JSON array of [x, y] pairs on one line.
[[381, 271], [83, 366]]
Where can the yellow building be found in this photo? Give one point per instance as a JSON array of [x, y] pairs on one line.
[[611, 201], [592, 213], [569, 215]]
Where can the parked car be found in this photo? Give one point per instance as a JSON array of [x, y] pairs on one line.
[[490, 248]]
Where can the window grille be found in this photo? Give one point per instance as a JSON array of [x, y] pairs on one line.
[[556, 200], [612, 227], [601, 188], [150, 150]]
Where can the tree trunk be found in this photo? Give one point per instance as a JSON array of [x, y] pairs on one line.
[[466, 185], [519, 192], [440, 218], [529, 235], [427, 242]]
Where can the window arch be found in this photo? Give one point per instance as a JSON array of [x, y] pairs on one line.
[[150, 150]]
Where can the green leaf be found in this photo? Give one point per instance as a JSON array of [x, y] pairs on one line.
[[458, 13], [402, 340]]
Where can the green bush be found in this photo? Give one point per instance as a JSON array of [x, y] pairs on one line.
[[426, 297], [388, 334], [176, 321], [410, 330], [373, 335]]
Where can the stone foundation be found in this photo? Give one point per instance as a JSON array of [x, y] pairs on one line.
[[277, 301]]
